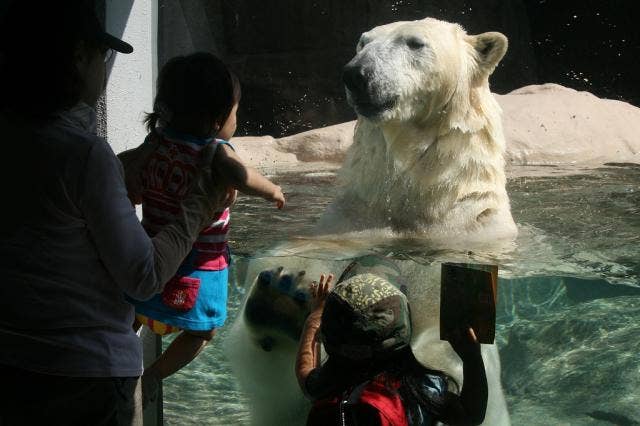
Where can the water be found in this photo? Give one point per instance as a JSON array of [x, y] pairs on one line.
[[568, 305]]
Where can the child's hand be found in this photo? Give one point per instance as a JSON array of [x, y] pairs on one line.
[[320, 291], [465, 343], [278, 197]]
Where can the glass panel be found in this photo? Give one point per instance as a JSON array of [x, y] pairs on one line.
[[568, 288]]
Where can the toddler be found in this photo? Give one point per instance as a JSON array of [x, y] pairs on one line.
[[193, 118]]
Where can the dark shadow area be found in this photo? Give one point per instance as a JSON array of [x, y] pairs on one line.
[[289, 54], [590, 45], [4, 5], [117, 21]]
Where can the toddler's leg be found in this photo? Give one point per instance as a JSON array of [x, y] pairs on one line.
[[180, 352]]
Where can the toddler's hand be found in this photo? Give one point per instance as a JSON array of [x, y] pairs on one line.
[[320, 291], [278, 197]]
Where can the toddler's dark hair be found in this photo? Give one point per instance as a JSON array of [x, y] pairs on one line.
[[198, 85]]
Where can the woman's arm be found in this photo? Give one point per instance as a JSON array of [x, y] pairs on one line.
[[470, 406], [308, 358], [228, 167], [139, 265]]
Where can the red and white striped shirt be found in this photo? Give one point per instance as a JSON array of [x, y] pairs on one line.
[[166, 182]]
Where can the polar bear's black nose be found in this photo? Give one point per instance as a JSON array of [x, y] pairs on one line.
[[266, 343], [354, 78]]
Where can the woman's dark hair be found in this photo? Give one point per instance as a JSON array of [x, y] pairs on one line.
[[198, 85], [38, 43]]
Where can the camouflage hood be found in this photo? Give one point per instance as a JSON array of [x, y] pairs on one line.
[[365, 317]]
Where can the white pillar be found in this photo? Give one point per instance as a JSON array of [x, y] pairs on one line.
[[131, 78]]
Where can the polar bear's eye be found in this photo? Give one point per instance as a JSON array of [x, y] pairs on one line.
[[416, 43]]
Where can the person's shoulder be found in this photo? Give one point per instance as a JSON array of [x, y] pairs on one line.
[[57, 138], [223, 154], [85, 145], [89, 141], [72, 137], [221, 145], [221, 142]]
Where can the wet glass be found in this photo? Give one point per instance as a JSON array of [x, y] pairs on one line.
[[568, 290]]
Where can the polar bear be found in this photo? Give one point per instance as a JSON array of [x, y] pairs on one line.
[[428, 147], [263, 341], [427, 158]]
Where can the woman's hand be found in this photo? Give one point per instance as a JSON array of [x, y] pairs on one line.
[[319, 292]]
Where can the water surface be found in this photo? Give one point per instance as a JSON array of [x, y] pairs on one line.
[[568, 307]]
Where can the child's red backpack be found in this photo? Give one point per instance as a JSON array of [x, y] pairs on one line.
[[372, 403], [377, 402]]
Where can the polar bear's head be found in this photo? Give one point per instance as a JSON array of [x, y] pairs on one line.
[[420, 70], [277, 307]]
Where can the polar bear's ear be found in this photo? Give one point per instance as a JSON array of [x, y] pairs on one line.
[[490, 48]]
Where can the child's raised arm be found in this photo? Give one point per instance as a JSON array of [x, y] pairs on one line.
[[308, 357], [470, 406], [228, 167]]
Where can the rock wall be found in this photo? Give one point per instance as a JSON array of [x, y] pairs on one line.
[[588, 45]]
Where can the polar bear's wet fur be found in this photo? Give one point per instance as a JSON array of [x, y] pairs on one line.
[[262, 353], [428, 148], [427, 158]]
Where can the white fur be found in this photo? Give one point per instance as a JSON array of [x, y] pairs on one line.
[[427, 157], [268, 378], [433, 162]]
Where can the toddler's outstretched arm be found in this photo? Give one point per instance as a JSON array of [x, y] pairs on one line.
[[228, 167]]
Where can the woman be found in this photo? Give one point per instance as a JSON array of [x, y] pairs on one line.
[[72, 245]]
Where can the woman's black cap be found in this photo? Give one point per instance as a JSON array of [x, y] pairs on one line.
[[28, 24]]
